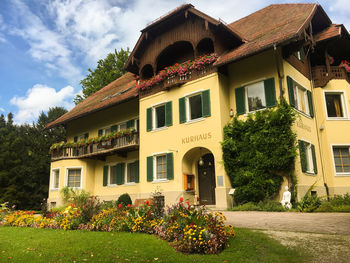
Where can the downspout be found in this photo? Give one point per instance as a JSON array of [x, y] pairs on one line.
[[317, 128], [280, 75]]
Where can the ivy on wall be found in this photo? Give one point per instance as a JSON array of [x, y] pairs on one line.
[[259, 151]]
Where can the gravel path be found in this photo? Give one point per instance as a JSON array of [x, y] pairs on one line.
[[324, 223]]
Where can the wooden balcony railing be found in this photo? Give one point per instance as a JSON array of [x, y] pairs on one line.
[[321, 77], [122, 144], [177, 80]]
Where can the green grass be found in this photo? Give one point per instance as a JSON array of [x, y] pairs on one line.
[[48, 245]]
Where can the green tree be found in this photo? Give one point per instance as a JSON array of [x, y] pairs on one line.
[[107, 70], [25, 159]]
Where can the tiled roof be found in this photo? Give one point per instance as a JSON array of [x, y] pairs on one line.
[[118, 91], [334, 30], [272, 25]]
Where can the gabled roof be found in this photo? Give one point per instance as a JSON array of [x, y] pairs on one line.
[[118, 91], [185, 8], [272, 25], [334, 30]]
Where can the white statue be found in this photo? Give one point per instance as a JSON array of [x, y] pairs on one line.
[[286, 199]]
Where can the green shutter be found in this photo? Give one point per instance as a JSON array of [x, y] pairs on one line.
[[182, 110], [137, 173], [86, 135], [149, 168], [311, 104], [291, 91], [168, 113], [240, 100], [170, 166], [302, 55], [100, 132], [314, 158], [270, 92], [302, 152], [206, 103], [149, 119], [105, 175], [130, 124], [120, 173], [114, 128], [75, 138]]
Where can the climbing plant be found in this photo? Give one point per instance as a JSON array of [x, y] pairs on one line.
[[259, 151]]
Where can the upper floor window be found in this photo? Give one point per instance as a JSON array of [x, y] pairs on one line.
[[74, 177], [159, 116], [341, 155], [118, 127], [335, 105], [80, 137], [256, 96], [194, 106], [300, 54], [300, 98]]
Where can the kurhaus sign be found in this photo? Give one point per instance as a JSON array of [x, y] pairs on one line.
[[196, 138]]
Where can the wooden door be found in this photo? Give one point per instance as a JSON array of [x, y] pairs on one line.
[[206, 180]]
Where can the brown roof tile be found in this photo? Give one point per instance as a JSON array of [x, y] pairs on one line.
[[334, 30], [271, 25], [118, 91]]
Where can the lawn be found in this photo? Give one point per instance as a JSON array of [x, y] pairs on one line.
[[48, 245]]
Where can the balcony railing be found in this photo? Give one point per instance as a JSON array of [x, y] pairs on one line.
[[93, 150], [321, 77]]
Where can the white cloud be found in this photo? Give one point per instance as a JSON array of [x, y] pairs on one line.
[[2, 109], [340, 9], [41, 98]]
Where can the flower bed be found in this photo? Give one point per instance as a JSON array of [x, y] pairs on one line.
[[181, 70], [187, 228]]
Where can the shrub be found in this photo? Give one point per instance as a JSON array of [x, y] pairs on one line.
[[124, 199], [325, 207]]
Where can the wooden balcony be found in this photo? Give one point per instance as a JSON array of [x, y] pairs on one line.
[[98, 150], [321, 77], [176, 80]]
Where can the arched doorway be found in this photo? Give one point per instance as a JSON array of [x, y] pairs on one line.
[[206, 179]]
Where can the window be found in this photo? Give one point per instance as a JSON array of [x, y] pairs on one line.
[[160, 167], [117, 127], [194, 106], [132, 172], [81, 137], [341, 157], [55, 179], [300, 54], [113, 175], [74, 178], [335, 104], [300, 98], [159, 116], [256, 96], [307, 157]]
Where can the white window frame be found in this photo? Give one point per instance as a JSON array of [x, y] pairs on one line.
[[246, 95], [344, 105], [81, 176], [187, 105], [337, 174], [126, 172], [296, 98], [109, 175], [154, 117], [155, 179], [53, 179]]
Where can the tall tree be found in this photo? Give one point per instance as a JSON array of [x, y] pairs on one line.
[[25, 159], [107, 70]]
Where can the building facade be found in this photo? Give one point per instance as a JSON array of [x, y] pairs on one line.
[[159, 126]]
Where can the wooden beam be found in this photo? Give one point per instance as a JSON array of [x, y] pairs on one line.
[[186, 14], [328, 64], [206, 24]]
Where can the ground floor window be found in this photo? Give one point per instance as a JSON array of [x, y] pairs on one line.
[[160, 167], [132, 172], [74, 177], [113, 175], [55, 178], [341, 156]]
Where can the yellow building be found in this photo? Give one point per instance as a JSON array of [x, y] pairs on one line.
[[155, 129]]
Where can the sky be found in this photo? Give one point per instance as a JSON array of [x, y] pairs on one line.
[[46, 47]]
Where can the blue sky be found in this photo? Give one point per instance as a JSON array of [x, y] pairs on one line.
[[46, 47]]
